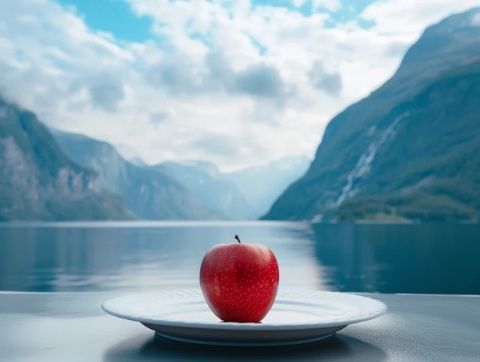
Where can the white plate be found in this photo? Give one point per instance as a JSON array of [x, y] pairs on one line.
[[296, 317]]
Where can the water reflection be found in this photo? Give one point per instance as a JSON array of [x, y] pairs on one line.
[[401, 258], [134, 256], [112, 257]]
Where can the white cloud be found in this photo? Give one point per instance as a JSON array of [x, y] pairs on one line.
[[236, 85], [298, 3], [322, 79], [410, 17], [331, 5]]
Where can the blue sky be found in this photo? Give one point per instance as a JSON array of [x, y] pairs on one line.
[[238, 83], [116, 17], [113, 16]]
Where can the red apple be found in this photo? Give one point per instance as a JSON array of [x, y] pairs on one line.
[[239, 281]]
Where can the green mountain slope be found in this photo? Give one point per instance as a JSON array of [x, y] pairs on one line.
[[39, 182], [410, 150]]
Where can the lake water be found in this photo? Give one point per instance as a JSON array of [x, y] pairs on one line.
[[157, 255]]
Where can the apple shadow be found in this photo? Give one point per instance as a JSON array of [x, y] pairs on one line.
[[338, 347]]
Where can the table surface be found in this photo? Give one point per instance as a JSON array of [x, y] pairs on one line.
[[72, 327]]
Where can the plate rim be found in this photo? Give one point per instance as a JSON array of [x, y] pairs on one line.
[[380, 308]]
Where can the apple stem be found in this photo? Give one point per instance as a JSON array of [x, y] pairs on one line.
[[238, 239]]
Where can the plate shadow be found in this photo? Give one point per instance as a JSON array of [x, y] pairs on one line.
[[339, 347]]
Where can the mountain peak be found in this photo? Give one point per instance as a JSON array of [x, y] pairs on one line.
[[467, 19], [443, 45]]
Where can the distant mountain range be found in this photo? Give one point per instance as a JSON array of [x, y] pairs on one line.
[[147, 192], [261, 185], [39, 182], [205, 181], [181, 190], [410, 151], [244, 194]]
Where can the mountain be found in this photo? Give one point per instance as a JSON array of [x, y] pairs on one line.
[[262, 184], [149, 193], [183, 190], [410, 151], [216, 192], [39, 182], [245, 194]]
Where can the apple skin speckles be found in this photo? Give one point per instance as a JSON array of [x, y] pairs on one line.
[[239, 281]]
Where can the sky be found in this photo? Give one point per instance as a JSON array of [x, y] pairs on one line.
[[237, 83]]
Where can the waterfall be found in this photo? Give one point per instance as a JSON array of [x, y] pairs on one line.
[[362, 167]]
